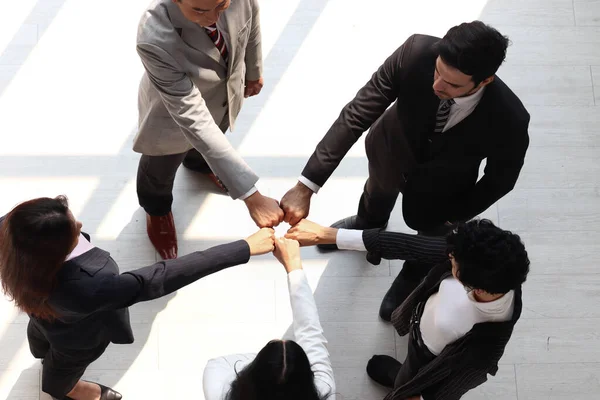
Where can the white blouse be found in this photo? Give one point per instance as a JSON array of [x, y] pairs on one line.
[[221, 372]]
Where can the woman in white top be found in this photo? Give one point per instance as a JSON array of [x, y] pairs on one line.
[[283, 369]]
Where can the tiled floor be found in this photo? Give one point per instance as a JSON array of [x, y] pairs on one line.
[[68, 83]]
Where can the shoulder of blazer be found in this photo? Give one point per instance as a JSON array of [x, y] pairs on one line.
[[86, 265], [503, 101], [423, 43], [418, 59], [161, 24]]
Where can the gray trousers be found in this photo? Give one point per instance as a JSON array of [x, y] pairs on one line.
[[155, 177], [156, 174]]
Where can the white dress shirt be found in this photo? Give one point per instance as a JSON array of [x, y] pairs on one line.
[[451, 313], [461, 109], [350, 239], [221, 372]]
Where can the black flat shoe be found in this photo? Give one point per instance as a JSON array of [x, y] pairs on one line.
[[106, 393], [353, 222], [383, 370]]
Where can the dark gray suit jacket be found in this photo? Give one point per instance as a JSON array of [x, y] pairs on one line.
[[91, 296], [441, 176]]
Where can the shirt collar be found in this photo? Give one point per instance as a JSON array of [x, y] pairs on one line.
[[83, 246], [469, 100]]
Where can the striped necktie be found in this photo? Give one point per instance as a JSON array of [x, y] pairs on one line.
[[218, 40], [442, 115]]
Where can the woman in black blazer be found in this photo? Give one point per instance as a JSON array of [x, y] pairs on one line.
[[74, 295]]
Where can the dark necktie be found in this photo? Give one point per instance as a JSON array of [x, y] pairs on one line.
[[442, 115], [218, 40]]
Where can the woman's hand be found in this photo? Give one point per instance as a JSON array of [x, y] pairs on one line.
[[287, 251], [261, 242]]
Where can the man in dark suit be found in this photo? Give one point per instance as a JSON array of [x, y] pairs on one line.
[[459, 319], [450, 112]]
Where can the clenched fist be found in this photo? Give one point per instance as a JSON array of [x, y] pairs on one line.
[[287, 251], [253, 87], [296, 203], [308, 233], [264, 210], [261, 242]]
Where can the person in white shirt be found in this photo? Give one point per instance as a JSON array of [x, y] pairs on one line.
[[283, 369], [460, 317]]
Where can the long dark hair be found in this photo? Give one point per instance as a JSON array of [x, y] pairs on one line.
[[35, 239], [280, 371]]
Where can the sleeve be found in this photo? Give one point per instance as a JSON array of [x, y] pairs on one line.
[[309, 184], [220, 372], [253, 59], [357, 116], [500, 175], [448, 380], [403, 246], [308, 331], [157, 280], [188, 109], [350, 239], [456, 385]]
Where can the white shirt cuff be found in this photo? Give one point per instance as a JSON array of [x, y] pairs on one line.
[[309, 184], [350, 239], [296, 276], [248, 193]]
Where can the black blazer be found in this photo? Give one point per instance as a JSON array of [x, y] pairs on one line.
[[91, 297], [441, 175], [465, 363]]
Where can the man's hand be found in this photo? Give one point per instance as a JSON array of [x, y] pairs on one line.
[[253, 87], [261, 242], [264, 210], [296, 203], [308, 233], [287, 251]]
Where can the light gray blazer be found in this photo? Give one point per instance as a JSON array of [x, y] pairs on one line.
[[187, 91]]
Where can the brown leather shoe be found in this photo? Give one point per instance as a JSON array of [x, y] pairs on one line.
[[161, 231]]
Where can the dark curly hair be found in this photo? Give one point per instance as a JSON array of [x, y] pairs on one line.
[[474, 48], [488, 257]]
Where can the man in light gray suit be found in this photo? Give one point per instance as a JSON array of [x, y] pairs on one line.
[[202, 57]]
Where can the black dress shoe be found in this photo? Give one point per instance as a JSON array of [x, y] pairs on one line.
[[106, 393], [401, 288], [353, 222], [383, 370]]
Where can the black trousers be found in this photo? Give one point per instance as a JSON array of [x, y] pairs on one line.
[[156, 174], [417, 356], [62, 368], [386, 181]]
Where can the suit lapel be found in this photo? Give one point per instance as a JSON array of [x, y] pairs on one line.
[[89, 263], [229, 29], [194, 35]]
